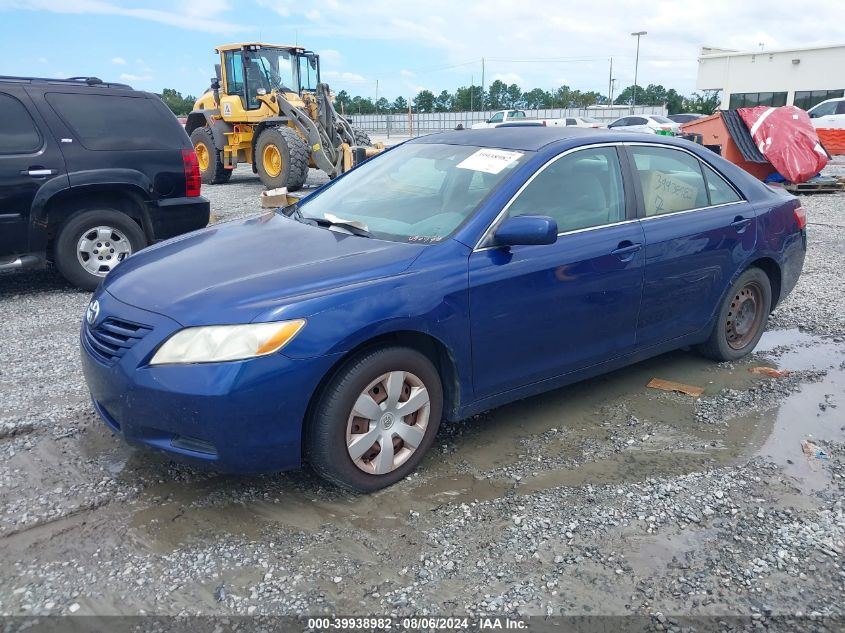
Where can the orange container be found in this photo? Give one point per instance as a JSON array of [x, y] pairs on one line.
[[714, 132]]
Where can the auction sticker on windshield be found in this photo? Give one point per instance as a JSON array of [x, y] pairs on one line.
[[490, 161]]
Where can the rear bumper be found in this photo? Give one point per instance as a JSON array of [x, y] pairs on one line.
[[174, 216], [240, 417]]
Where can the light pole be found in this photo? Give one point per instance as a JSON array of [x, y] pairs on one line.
[[636, 67]]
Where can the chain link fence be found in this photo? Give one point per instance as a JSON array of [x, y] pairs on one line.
[[414, 124]]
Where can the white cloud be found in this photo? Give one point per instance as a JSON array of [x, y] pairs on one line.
[[43, 60], [313, 15], [344, 76], [406, 73], [131, 77], [189, 16], [119, 61], [330, 56]]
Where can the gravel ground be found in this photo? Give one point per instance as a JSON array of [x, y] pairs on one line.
[[600, 498]]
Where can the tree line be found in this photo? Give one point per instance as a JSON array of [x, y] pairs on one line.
[[501, 96], [498, 96]]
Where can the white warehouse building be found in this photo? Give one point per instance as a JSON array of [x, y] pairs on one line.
[[798, 76]]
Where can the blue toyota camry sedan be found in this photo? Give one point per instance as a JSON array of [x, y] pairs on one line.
[[451, 274]]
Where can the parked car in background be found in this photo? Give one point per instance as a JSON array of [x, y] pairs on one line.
[[828, 114], [90, 173], [684, 117], [455, 273], [502, 116], [646, 123], [575, 121]]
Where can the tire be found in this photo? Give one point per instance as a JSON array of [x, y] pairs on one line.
[[331, 424], [737, 331], [281, 158], [361, 137], [109, 235], [212, 171]]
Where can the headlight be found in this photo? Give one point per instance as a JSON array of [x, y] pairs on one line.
[[217, 343]]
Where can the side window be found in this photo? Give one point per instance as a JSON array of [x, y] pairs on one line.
[[517, 114], [671, 180], [580, 190], [496, 118], [234, 73], [638, 120], [824, 109], [571, 122], [840, 107], [620, 123], [18, 134], [720, 191]]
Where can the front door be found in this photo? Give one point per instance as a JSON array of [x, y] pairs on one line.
[[544, 310], [698, 233], [28, 158]]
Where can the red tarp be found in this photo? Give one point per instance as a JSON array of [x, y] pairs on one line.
[[787, 139]]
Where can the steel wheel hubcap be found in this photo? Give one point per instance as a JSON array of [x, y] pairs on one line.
[[102, 248], [744, 316], [272, 161], [388, 422]]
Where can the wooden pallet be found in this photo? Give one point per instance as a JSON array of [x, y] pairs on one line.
[[809, 187]]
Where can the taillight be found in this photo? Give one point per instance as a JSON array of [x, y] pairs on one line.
[[192, 173], [800, 218]]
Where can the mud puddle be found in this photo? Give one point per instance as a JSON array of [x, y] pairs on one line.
[[571, 437]]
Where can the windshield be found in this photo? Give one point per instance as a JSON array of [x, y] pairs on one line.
[[270, 68], [418, 192]]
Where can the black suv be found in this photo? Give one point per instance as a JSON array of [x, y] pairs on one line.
[[90, 172]]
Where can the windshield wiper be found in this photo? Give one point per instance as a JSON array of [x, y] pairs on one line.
[[354, 227]]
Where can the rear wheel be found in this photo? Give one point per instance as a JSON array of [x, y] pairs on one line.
[[281, 158], [742, 317], [91, 243], [210, 162], [374, 421]]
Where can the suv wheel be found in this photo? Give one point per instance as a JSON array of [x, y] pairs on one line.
[[375, 419], [91, 243]]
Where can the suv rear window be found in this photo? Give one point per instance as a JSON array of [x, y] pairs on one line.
[[115, 122], [18, 134]]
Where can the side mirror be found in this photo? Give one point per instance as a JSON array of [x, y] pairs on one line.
[[525, 230]]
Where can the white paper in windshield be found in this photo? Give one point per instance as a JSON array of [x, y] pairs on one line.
[[490, 161]]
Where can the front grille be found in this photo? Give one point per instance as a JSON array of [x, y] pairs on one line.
[[110, 339]]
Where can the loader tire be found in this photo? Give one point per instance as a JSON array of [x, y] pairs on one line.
[[212, 171], [281, 158], [361, 137]]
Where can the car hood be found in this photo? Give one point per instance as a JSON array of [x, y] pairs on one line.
[[232, 272]]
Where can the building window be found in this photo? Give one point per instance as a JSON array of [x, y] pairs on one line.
[[806, 99], [751, 99]]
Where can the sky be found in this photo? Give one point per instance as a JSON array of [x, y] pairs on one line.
[[405, 46]]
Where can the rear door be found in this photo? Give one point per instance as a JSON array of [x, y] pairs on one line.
[[699, 232], [544, 310], [29, 157]]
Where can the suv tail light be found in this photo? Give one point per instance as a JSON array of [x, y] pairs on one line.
[[800, 218], [192, 173]]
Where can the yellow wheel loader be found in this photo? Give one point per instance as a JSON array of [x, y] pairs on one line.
[[267, 107]]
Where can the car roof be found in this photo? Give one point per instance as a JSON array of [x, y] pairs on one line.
[[524, 137]]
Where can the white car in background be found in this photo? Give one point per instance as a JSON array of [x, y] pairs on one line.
[[575, 121], [647, 123], [828, 114], [501, 117]]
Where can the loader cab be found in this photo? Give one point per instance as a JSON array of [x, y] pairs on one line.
[[252, 71]]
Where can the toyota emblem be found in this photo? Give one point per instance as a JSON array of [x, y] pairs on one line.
[[92, 312]]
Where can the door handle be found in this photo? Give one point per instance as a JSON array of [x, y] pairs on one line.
[[625, 251], [740, 223], [39, 172]]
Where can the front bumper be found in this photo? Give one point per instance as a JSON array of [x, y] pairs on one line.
[[170, 217], [242, 417]]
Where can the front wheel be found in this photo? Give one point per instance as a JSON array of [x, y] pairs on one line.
[[742, 317], [375, 419]]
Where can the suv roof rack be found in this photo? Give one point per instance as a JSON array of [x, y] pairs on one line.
[[76, 81]]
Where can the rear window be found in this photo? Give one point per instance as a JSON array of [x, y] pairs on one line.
[[660, 119], [18, 134], [115, 122]]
